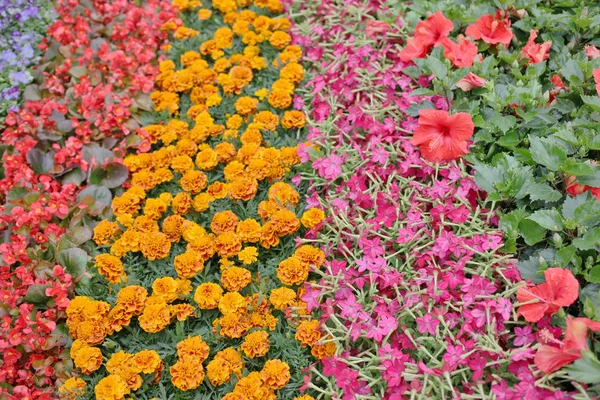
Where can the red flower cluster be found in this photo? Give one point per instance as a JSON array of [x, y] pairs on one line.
[[100, 60]]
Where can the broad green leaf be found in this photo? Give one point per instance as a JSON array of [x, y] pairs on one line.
[[577, 168], [589, 240], [437, 67], [487, 176], [40, 162], [543, 191], [594, 274], [504, 122], [572, 71], [531, 231], [571, 203], [530, 269], [74, 260], [565, 255], [586, 369], [592, 101], [36, 294], [547, 153], [549, 219]]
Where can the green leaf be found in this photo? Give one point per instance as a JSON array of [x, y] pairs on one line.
[[572, 71], [547, 153], [74, 260], [40, 162], [549, 219], [437, 67], [504, 122], [531, 231], [592, 101], [589, 240], [571, 203], [564, 256], [115, 175], [510, 221], [594, 274], [100, 195], [529, 269], [543, 191], [586, 369], [37, 294], [487, 176], [577, 168]]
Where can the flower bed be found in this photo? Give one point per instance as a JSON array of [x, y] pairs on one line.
[[198, 276], [61, 158]]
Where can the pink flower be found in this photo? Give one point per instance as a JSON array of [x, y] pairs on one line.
[[592, 51], [535, 52], [375, 28], [597, 80], [471, 81], [427, 324]]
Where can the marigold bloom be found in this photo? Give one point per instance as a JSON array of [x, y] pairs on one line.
[[256, 344], [249, 230], [252, 386], [443, 137], [72, 389], [166, 288], [224, 221], [292, 271], [110, 267], [202, 202], [193, 181], [148, 361], [248, 255], [193, 347], [105, 232], [308, 332], [232, 302], [233, 325], [88, 359], [188, 264], [246, 105], [293, 119], [155, 317], [208, 295], [321, 351], [113, 387], [235, 279], [312, 218], [228, 244], [218, 371], [310, 255], [156, 246], [276, 374], [187, 373], [282, 298]]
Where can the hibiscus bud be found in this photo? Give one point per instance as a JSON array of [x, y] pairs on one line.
[[557, 239], [471, 81], [518, 14], [592, 51]]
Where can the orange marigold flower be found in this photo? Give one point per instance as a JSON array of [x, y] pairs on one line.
[[193, 347], [249, 230], [289, 156], [248, 255], [225, 151], [310, 255], [193, 181], [88, 359], [202, 202], [110, 267], [233, 325], [276, 374], [132, 298], [117, 317], [280, 98], [72, 389], [156, 246], [187, 373], [184, 33], [155, 317], [105, 232], [148, 361], [224, 221], [234, 359], [113, 387], [283, 194], [292, 271], [204, 14], [269, 236], [218, 190], [285, 222], [234, 396], [324, 350], [235, 279], [282, 298], [228, 244], [233, 170], [246, 105], [305, 397], [235, 121], [188, 264], [293, 119], [172, 226], [243, 188], [293, 72], [312, 218], [208, 295], [182, 311], [145, 224], [218, 371], [308, 332], [203, 245], [232, 302], [256, 344], [253, 387], [207, 159], [267, 119], [181, 203]]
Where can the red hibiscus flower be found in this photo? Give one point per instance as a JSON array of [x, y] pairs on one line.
[[597, 80], [550, 358], [492, 30], [428, 33], [535, 52], [443, 137], [460, 54], [471, 81], [561, 289]]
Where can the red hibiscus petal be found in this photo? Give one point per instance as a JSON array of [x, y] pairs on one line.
[[565, 287], [550, 359]]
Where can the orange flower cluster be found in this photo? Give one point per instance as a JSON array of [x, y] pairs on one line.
[[210, 191]]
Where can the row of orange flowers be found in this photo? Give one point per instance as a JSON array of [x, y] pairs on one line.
[[212, 194]]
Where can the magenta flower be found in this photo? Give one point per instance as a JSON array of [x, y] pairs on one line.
[[427, 324]]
